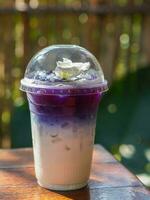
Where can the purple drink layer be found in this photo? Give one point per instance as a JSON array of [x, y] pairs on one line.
[[64, 105]]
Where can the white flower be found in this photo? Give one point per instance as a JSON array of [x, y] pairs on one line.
[[67, 69]]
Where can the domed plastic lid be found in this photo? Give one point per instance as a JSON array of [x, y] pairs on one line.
[[63, 69]]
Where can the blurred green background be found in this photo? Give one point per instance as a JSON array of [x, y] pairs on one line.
[[118, 33]]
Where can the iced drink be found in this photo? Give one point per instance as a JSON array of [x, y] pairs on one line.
[[64, 85]]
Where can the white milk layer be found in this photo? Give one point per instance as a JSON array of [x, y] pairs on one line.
[[62, 154]]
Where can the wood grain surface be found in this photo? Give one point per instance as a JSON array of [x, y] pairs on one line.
[[109, 180]]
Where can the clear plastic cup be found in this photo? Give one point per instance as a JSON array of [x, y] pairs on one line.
[[64, 85]]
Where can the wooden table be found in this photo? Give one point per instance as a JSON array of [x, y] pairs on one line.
[[109, 180]]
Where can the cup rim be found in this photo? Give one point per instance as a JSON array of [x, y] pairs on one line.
[[68, 90]]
